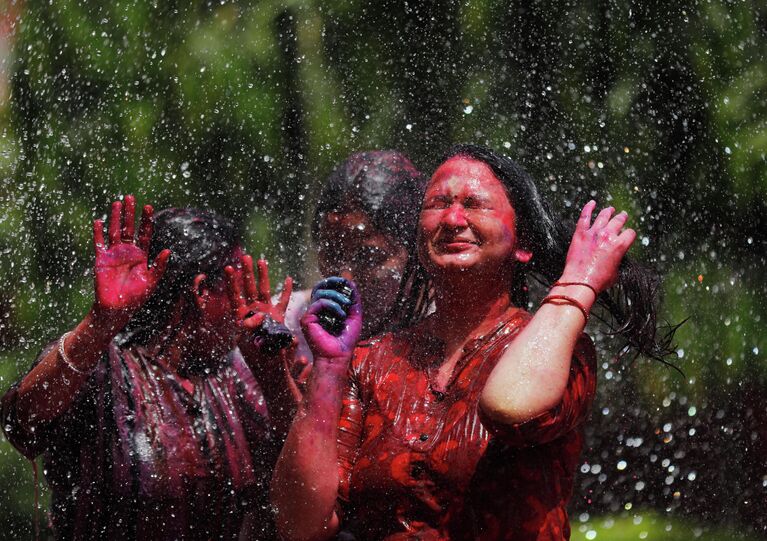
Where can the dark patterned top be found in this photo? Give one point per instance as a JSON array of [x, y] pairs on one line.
[[139, 457], [418, 464]]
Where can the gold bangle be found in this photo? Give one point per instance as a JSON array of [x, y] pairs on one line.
[[584, 284], [564, 299], [64, 357]]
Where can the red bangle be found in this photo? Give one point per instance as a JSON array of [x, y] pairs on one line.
[[584, 284], [564, 299]]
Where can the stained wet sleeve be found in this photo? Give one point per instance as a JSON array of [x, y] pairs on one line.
[[571, 412], [33, 441], [350, 424]]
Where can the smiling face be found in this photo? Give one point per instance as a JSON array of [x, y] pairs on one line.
[[467, 223]]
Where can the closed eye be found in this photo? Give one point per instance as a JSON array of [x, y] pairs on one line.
[[437, 203], [477, 203]]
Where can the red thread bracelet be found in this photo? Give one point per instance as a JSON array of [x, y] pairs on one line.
[[576, 284], [564, 299]]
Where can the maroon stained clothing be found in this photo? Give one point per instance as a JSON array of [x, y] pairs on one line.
[[139, 457], [415, 465]]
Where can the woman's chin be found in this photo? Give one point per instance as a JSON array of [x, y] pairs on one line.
[[453, 263]]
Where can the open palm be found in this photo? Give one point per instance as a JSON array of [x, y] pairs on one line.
[[123, 279]]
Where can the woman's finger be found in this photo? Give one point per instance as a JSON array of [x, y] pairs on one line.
[[233, 287], [159, 265], [254, 321], [115, 223], [287, 290], [129, 219], [327, 305], [584, 222], [303, 377], [264, 290], [617, 222], [334, 296], [145, 229], [98, 236], [292, 383], [627, 237], [602, 218], [249, 279], [330, 283]]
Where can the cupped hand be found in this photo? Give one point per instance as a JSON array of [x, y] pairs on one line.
[[597, 249], [123, 278], [254, 313], [333, 322]]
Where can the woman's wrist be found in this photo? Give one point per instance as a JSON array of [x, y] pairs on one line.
[[579, 290], [331, 366], [85, 344], [106, 323]]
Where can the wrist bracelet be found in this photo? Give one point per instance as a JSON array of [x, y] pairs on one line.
[[584, 284], [564, 299], [64, 355]]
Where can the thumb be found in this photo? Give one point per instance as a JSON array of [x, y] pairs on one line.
[[159, 266]]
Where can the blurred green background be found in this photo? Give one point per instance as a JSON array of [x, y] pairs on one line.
[[657, 107]]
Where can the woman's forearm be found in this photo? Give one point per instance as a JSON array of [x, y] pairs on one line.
[[50, 387], [306, 478], [531, 377], [272, 376]]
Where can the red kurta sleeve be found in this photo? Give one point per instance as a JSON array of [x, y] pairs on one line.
[[33, 442], [350, 422], [571, 412]]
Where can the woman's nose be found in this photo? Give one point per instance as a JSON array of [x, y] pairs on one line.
[[455, 216]]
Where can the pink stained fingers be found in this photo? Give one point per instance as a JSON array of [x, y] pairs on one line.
[[146, 229], [234, 288], [115, 223], [584, 221], [98, 236], [287, 290], [617, 222], [603, 218], [249, 279], [129, 219], [264, 289]]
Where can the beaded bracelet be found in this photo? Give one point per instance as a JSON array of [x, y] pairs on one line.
[[63, 355], [576, 284], [564, 299]]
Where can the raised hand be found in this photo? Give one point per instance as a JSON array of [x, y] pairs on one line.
[[254, 313], [597, 249], [123, 278], [333, 322]]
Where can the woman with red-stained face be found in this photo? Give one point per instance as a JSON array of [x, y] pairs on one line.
[[151, 414], [468, 226], [467, 424]]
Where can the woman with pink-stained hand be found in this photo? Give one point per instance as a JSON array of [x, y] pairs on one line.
[[151, 414], [467, 424]]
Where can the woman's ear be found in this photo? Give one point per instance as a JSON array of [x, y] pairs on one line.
[[200, 293], [522, 256]]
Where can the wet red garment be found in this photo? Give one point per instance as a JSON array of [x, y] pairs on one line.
[[138, 457], [418, 465]]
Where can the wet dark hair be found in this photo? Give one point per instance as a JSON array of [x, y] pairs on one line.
[[630, 308], [201, 242], [384, 185]]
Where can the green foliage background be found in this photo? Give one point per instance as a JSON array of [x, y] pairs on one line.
[[659, 108]]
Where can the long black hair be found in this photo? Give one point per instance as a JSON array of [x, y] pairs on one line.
[[630, 308], [201, 242]]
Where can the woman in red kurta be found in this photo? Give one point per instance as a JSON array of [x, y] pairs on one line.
[[466, 425]]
